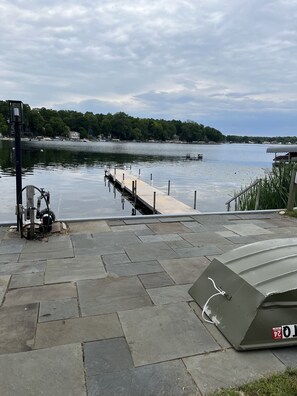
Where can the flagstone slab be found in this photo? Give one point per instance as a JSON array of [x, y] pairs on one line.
[[8, 258], [129, 227], [247, 229], [287, 356], [130, 269], [56, 371], [17, 328], [152, 251], [160, 238], [75, 330], [185, 270], [10, 247], [158, 279], [40, 293], [110, 259], [170, 294], [156, 334], [56, 310], [4, 281], [205, 238], [107, 356], [26, 280], [210, 250], [47, 255], [169, 228], [169, 378], [61, 242], [73, 269], [22, 267], [99, 296], [87, 227], [212, 371]]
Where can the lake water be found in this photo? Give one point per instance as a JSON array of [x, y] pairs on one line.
[[74, 173]]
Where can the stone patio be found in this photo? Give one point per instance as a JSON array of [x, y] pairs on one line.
[[104, 309]]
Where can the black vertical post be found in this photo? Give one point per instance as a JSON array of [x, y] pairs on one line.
[[18, 169]]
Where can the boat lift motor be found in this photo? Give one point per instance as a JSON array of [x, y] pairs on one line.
[[36, 218], [250, 294]]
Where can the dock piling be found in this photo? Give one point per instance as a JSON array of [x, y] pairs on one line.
[[154, 203], [195, 199], [168, 187]]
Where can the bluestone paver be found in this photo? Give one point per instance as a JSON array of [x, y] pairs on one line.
[[17, 328], [158, 279], [178, 330], [75, 330], [169, 378], [185, 270], [129, 227], [205, 250], [73, 269], [121, 258], [26, 280], [8, 258], [130, 269], [169, 228], [160, 238], [4, 281], [10, 247], [152, 251], [170, 294], [287, 356], [247, 229], [205, 238], [40, 293], [88, 227], [60, 309], [100, 296], [22, 267], [56, 371], [228, 368]]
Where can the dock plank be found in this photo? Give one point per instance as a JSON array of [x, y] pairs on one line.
[[165, 204]]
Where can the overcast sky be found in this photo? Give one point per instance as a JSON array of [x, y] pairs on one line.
[[229, 64]]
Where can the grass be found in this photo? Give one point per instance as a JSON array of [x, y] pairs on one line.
[[273, 190], [284, 384]]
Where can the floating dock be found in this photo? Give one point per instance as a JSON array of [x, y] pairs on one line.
[[150, 197]]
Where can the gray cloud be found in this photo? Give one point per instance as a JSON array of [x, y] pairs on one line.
[[229, 64]]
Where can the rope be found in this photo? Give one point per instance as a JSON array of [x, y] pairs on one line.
[[220, 293]]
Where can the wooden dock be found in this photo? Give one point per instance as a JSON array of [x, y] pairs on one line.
[[153, 199]]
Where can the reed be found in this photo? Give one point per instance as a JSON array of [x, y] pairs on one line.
[[273, 190]]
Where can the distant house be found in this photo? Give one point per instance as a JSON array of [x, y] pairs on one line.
[[73, 135]]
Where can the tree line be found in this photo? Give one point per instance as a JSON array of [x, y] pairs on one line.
[[51, 123]]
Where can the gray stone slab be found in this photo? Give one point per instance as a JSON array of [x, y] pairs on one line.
[[88, 227], [107, 356], [156, 334], [17, 328], [130, 269], [158, 279], [53, 254], [75, 330], [116, 239], [160, 238], [40, 293], [100, 296], [288, 356], [152, 251], [210, 250], [22, 267], [73, 269], [170, 294], [4, 281], [112, 223], [212, 371], [144, 220], [215, 218], [169, 378], [194, 226], [247, 229], [26, 280], [56, 310], [115, 259], [180, 244], [212, 329], [175, 219], [57, 371], [57, 243], [130, 227], [205, 238], [169, 228], [10, 247], [185, 270], [8, 258]]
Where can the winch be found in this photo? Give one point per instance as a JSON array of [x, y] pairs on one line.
[[35, 219]]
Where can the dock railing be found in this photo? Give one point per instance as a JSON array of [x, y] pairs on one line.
[[239, 198]]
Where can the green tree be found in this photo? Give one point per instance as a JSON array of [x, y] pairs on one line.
[[3, 126]]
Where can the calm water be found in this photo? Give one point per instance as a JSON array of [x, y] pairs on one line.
[[74, 173]]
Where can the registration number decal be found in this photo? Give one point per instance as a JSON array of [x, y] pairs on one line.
[[285, 331]]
